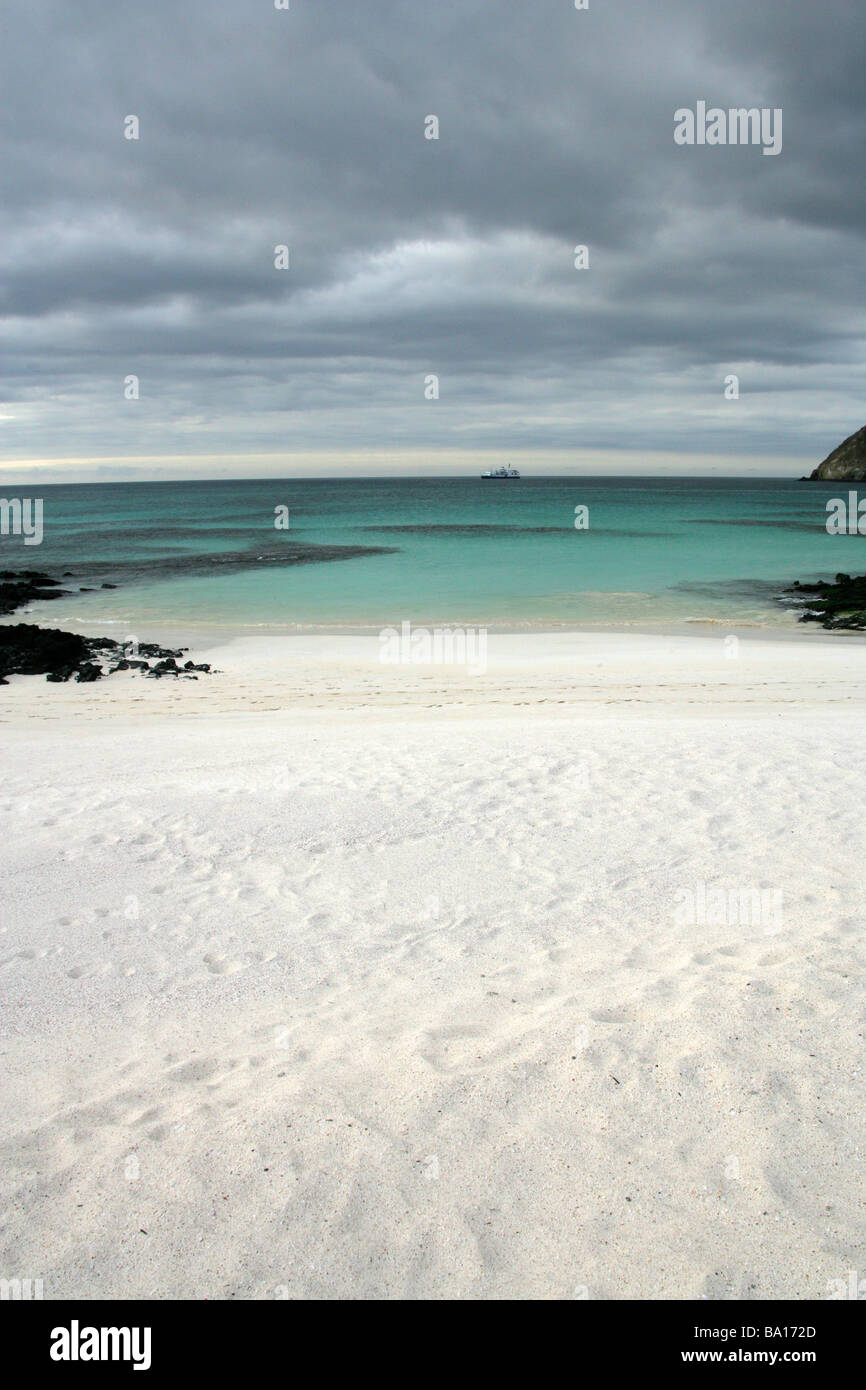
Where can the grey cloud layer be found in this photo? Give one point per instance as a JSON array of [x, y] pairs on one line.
[[258, 127]]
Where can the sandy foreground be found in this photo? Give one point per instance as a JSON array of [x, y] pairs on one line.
[[327, 979]]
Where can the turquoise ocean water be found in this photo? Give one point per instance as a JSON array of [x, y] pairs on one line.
[[659, 552]]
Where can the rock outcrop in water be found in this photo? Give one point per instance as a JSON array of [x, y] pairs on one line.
[[18, 587], [846, 464], [27, 650], [839, 606]]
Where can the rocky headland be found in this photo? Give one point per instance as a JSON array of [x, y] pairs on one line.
[[847, 462]]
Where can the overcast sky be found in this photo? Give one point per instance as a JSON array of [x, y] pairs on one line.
[[411, 257]]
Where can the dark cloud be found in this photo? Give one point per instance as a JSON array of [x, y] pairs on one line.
[[409, 257]]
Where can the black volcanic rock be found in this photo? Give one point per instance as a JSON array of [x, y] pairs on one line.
[[28, 650], [847, 463], [89, 672], [168, 667], [153, 649], [32, 651], [18, 587], [840, 606]]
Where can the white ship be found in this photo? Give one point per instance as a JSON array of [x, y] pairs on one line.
[[501, 473]]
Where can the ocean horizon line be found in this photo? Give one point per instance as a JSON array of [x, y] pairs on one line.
[[352, 478]]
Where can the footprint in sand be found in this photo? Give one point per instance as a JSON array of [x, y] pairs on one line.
[[225, 965], [79, 972], [33, 954], [221, 965], [208, 1071]]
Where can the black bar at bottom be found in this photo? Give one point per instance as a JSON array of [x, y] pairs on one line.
[[74, 1338]]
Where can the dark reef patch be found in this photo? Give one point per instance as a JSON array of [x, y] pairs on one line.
[[468, 528], [770, 523], [763, 591], [20, 587], [483, 528]]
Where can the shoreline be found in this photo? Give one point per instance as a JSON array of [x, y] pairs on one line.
[[784, 620], [200, 636], [559, 672]]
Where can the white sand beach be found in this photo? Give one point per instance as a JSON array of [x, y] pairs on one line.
[[328, 979]]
